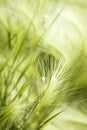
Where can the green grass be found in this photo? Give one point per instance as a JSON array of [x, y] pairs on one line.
[[43, 61]]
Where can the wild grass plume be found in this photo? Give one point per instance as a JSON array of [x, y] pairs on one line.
[[43, 65]]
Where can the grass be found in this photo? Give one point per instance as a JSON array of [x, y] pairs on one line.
[[43, 59]]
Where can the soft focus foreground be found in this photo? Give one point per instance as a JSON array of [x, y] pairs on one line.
[[43, 65]]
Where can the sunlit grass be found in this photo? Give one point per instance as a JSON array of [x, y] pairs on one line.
[[43, 61]]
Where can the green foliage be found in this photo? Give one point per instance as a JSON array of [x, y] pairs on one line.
[[43, 61]]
